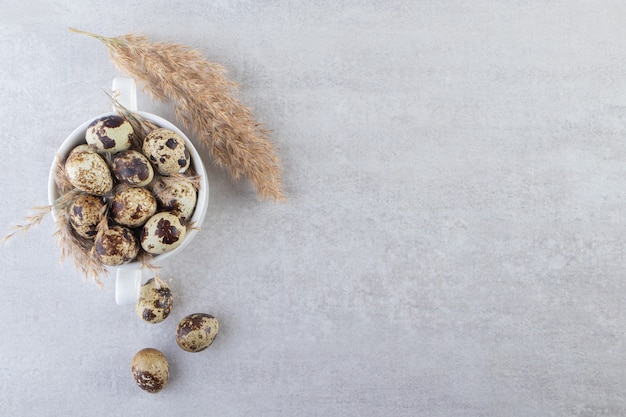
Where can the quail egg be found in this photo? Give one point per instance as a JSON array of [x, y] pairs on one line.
[[116, 246], [132, 168], [109, 134], [176, 197], [162, 233], [196, 332], [155, 301], [88, 172], [150, 370], [167, 151], [84, 214], [132, 207]]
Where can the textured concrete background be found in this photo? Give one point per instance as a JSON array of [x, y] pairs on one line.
[[453, 240]]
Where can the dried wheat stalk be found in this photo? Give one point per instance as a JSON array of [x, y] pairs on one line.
[[60, 178], [35, 219], [29, 221], [78, 248], [204, 101], [71, 245], [146, 260], [188, 177]]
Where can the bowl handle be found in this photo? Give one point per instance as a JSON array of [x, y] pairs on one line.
[[127, 92], [127, 284]]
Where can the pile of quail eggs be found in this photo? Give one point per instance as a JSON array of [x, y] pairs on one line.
[[125, 185], [144, 212], [194, 333]]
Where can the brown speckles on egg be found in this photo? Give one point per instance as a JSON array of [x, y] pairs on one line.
[[132, 207], [167, 151], [77, 212], [84, 214], [116, 246], [88, 172], [150, 370], [132, 168], [109, 134], [162, 233], [148, 315], [117, 206], [111, 122], [167, 232], [171, 143], [155, 301], [196, 332]]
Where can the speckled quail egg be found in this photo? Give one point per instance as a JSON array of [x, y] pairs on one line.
[[88, 172], [132, 207], [109, 134], [155, 301], [84, 214], [132, 168], [116, 246], [150, 370], [162, 233], [196, 332], [176, 197], [167, 151]]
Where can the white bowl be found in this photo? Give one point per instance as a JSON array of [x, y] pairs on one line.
[[129, 275]]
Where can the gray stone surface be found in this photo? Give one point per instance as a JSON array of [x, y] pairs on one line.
[[453, 239]]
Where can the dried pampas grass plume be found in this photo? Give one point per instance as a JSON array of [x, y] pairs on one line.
[[72, 245], [30, 221], [204, 101], [79, 249]]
